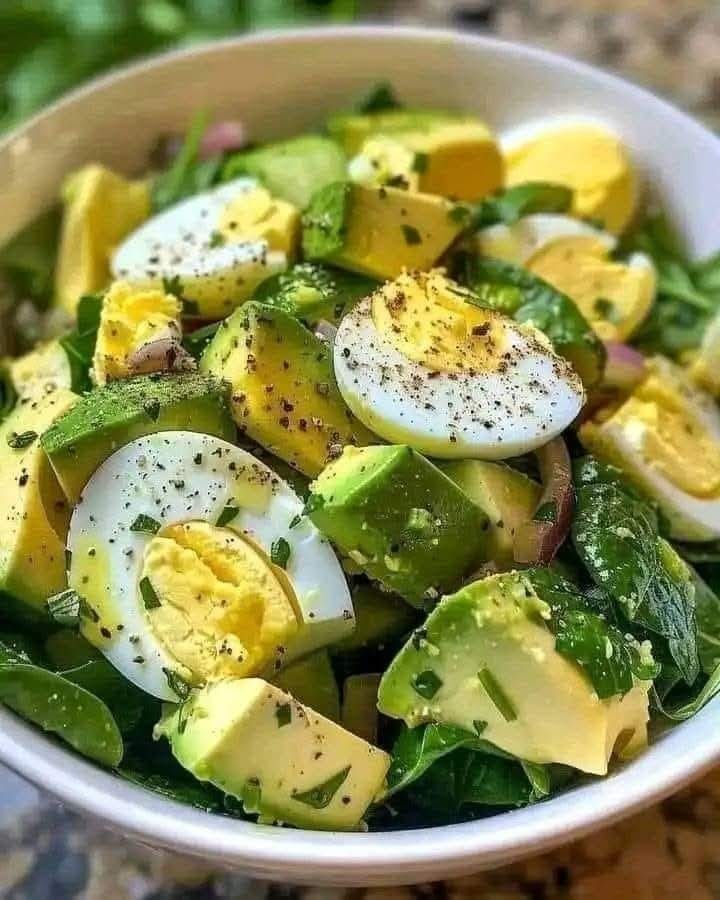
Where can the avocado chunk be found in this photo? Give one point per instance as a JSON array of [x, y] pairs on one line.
[[378, 231], [380, 617], [312, 682], [284, 394], [508, 498], [352, 129], [36, 515], [400, 519], [292, 170], [486, 661], [45, 367], [359, 707], [115, 414], [257, 743], [455, 157], [310, 292]]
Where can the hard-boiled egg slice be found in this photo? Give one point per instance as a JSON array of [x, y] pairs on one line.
[[419, 364], [519, 242], [614, 296], [666, 438], [583, 153], [215, 247], [194, 562]]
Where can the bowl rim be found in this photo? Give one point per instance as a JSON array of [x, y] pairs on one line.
[[359, 858]]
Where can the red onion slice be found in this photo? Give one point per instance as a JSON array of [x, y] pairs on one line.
[[538, 541], [221, 138], [625, 366]]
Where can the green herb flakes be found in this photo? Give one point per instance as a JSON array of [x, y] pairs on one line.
[[145, 525], [22, 440], [321, 796], [280, 553], [147, 592], [497, 695], [427, 684], [227, 515]]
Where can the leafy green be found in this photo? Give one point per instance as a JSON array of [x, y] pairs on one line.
[[608, 657], [513, 203], [416, 749], [707, 613], [56, 704], [528, 298], [688, 293], [324, 221], [28, 261], [65, 607], [321, 795], [311, 292], [688, 708], [79, 344], [182, 790], [188, 174], [615, 533], [196, 341], [380, 98]]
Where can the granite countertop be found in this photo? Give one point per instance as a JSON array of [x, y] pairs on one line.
[[670, 851]]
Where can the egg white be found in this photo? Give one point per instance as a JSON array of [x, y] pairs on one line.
[[140, 479], [481, 415], [518, 242], [178, 242]]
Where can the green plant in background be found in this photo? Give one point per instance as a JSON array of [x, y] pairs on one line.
[[48, 46]]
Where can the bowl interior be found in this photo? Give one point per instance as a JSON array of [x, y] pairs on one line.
[[279, 84]]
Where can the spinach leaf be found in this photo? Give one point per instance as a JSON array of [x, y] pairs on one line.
[[688, 293], [688, 708], [467, 777], [79, 345], [182, 790], [55, 703], [513, 203], [28, 261], [615, 533], [538, 303], [608, 657], [707, 612], [196, 341], [416, 749]]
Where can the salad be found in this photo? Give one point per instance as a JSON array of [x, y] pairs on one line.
[[364, 479]]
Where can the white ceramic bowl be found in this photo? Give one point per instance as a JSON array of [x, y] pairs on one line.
[[278, 84]]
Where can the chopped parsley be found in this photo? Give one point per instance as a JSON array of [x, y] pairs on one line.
[[65, 607], [497, 695], [177, 683], [411, 234], [227, 515], [19, 441], [420, 163], [145, 525], [283, 714], [280, 553], [147, 592], [217, 239], [173, 285], [321, 796], [546, 512], [426, 683]]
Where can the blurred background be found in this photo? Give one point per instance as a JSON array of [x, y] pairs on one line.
[[49, 46]]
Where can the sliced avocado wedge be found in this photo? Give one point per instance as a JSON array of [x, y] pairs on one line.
[[292, 170], [117, 413], [257, 743], [284, 394], [311, 681], [403, 521]]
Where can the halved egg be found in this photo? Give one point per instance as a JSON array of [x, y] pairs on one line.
[[666, 438], [216, 246], [194, 562], [420, 364], [614, 296], [582, 153]]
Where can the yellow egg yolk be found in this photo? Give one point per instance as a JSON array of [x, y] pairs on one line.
[[222, 608], [614, 297], [587, 159], [430, 320], [257, 215], [131, 318], [673, 439]]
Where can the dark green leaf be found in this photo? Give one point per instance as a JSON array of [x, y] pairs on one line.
[[616, 535], [186, 791], [147, 592], [65, 608], [427, 683], [79, 345], [283, 714], [145, 525], [521, 200], [180, 180], [58, 706], [196, 341], [227, 515], [707, 612], [128, 704], [280, 553], [379, 98], [321, 796], [416, 749]]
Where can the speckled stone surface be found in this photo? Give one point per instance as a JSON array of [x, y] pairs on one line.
[[671, 851]]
